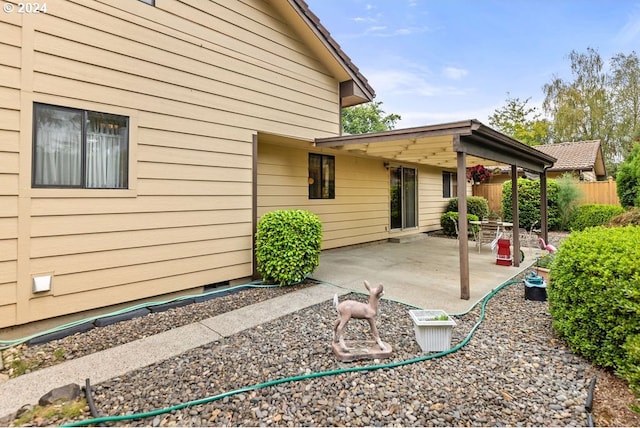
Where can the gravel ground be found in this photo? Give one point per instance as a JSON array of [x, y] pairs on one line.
[[513, 372]]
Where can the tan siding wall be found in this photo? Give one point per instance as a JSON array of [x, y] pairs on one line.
[[359, 212], [10, 52], [432, 204], [197, 79]]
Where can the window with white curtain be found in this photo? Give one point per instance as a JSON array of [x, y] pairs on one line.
[[79, 148]]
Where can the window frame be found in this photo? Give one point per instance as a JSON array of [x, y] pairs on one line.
[[331, 191], [85, 113], [452, 190]]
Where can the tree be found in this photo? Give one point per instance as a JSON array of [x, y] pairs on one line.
[[517, 120], [625, 100], [581, 108], [368, 117]]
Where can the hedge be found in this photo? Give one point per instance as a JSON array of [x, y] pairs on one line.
[[476, 205], [590, 215], [529, 203], [594, 297]]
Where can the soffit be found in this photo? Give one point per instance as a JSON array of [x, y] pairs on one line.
[[437, 146]]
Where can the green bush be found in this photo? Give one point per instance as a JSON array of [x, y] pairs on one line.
[[288, 245], [590, 215], [594, 297], [476, 205], [568, 195], [447, 225], [631, 369], [529, 203], [628, 179]]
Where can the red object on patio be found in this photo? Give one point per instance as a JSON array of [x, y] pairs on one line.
[[504, 252]]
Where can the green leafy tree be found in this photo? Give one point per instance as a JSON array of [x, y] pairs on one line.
[[625, 100], [581, 108], [520, 121], [628, 179], [368, 117]]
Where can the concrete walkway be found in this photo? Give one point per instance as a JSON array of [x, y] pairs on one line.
[[113, 362], [422, 273]]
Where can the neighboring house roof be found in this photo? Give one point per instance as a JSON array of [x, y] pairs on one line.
[[354, 87], [572, 156], [576, 156]]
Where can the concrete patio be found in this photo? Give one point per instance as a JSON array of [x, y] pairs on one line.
[[422, 272]]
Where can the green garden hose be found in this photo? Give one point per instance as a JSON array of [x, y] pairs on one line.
[[206, 400]]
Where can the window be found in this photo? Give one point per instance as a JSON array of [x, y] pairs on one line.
[[79, 148], [449, 186], [322, 176]]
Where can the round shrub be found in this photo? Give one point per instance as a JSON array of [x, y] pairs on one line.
[[590, 215], [288, 245], [594, 296], [448, 227], [476, 205], [529, 202]]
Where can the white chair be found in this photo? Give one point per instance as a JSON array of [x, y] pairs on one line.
[[489, 234]]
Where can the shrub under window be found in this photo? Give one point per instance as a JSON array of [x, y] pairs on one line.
[[79, 148]]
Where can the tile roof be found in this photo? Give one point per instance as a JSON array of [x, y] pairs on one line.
[[574, 155]]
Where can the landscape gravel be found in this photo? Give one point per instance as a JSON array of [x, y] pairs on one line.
[[513, 372]]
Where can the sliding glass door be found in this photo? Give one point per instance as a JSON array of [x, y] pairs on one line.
[[404, 205]]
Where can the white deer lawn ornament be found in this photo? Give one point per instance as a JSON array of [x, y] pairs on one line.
[[352, 309]]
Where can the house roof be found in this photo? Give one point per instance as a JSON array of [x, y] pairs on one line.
[[576, 156], [438, 145], [354, 87]]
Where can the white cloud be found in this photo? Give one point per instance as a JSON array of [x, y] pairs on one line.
[[406, 82], [630, 32], [454, 73]]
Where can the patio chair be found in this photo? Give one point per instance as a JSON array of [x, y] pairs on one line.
[[455, 226], [530, 237], [489, 234]]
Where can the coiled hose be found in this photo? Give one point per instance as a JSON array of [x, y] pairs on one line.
[[210, 399]]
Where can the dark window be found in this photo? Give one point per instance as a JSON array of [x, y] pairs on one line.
[[449, 189], [149, 2], [322, 176], [79, 148]]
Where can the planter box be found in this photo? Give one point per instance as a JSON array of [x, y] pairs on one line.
[[432, 335], [544, 273]]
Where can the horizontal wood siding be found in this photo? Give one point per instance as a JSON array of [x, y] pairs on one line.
[[10, 52], [198, 79], [359, 212], [430, 201]]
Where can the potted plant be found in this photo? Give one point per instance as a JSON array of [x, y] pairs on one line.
[[478, 174], [432, 328], [543, 265]]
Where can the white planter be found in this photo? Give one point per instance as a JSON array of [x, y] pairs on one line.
[[432, 335]]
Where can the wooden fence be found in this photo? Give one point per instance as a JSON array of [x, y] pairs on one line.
[[593, 192]]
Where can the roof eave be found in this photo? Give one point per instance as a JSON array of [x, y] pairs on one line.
[[365, 91]]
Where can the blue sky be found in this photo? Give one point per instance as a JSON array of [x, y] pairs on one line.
[[436, 61]]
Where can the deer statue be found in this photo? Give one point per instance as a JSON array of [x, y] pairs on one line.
[[351, 309]]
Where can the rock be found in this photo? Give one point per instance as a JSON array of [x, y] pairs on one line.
[[62, 394]]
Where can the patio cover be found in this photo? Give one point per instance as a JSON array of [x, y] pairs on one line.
[[454, 146]]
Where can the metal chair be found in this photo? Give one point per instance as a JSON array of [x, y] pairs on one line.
[[489, 234]]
